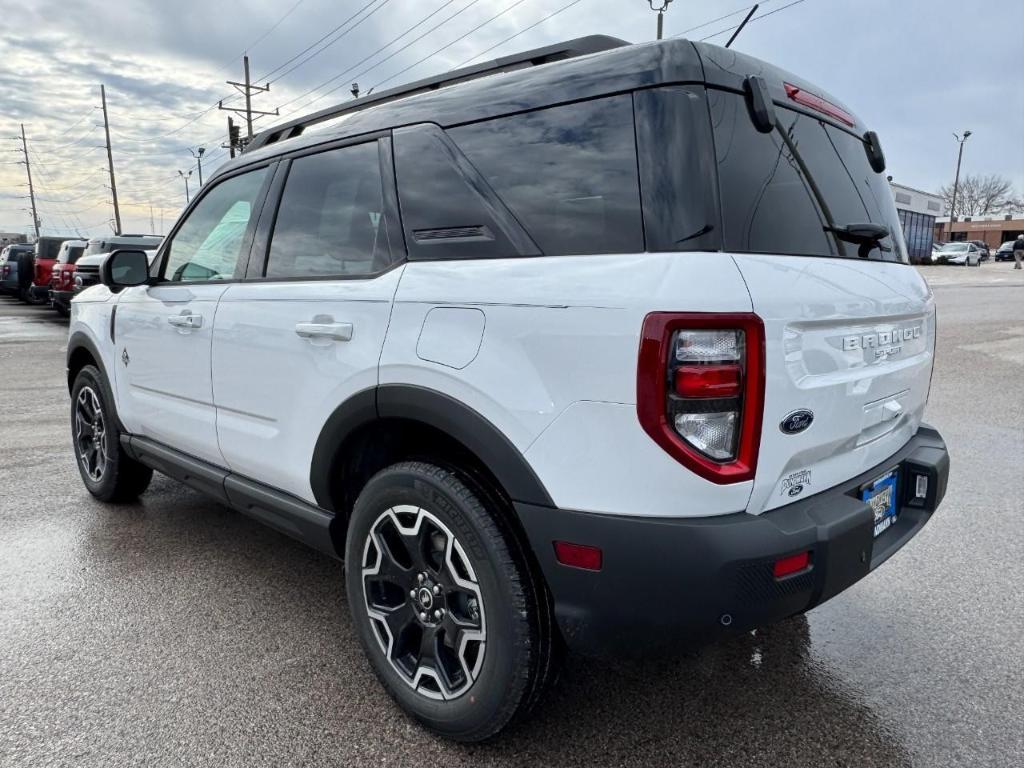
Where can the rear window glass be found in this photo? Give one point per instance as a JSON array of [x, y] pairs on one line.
[[775, 200], [568, 174]]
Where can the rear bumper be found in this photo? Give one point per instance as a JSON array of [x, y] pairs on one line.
[[62, 299], [667, 582]]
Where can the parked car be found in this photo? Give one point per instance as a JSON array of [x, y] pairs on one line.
[[961, 254], [9, 267], [560, 355], [85, 270], [983, 249], [1005, 251], [34, 269], [62, 275]]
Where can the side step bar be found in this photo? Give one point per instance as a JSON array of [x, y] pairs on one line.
[[284, 513]]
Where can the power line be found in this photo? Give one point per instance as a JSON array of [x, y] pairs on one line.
[[756, 18], [517, 34], [261, 38], [336, 77], [720, 18], [449, 45], [281, 66]]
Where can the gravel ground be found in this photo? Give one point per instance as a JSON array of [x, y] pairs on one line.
[[176, 632]]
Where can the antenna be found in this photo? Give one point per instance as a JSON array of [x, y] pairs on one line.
[[742, 25]]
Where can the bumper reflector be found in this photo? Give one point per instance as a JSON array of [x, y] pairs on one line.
[[578, 555], [787, 566]]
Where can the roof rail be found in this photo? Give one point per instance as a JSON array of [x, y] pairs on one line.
[[579, 47]]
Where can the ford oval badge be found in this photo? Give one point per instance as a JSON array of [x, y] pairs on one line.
[[797, 421]]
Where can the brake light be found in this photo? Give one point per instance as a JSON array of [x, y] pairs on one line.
[[818, 104], [700, 390]]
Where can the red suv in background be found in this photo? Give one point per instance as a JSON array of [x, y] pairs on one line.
[[34, 274], [62, 275]]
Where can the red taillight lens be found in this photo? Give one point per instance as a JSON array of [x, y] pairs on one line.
[[707, 380], [787, 566], [818, 104], [578, 555], [700, 390]]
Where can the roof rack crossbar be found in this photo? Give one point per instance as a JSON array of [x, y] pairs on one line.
[[568, 50]]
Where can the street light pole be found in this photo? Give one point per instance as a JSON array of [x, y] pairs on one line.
[[660, 9], [956, 182], [186, 176], [198, 155]]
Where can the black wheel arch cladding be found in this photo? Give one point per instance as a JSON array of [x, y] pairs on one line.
[[432, 409]]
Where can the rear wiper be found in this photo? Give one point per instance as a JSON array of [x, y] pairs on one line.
[[868, 236]]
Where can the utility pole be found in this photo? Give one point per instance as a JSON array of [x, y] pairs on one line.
[[247, 89], [234, 140], [956, 181], [152, 225], [186, 176], [31, 190], [198, 155], [110, 162], [660, 9]]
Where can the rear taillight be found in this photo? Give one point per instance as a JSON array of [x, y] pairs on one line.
[[700, 390]]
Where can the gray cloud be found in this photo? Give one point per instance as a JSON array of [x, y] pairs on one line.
[[915, 71]]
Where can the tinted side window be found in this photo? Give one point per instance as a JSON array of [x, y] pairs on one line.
[[569, 174], [448, 210], [331, 218], [216, 234]]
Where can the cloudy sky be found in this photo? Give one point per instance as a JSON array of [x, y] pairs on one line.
[[915, 70]]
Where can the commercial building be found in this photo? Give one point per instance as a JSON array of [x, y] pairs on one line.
[[917, 211], [994, 230]]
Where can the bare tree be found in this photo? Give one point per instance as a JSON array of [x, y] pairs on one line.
[[982, 196]]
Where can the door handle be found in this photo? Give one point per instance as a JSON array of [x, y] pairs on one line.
[[324, 327], [186, 320]]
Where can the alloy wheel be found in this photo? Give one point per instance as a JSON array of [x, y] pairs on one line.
[[424, 602], [90, 434]]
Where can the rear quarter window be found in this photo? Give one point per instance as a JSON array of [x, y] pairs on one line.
[[568, 173]]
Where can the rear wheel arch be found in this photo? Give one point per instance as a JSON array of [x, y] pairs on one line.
[[388, 424]]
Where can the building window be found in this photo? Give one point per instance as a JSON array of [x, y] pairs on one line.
[[903, 197], [934, 206]]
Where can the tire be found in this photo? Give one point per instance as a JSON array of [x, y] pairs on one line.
[[62, 310], [108, 472], [424, 543]]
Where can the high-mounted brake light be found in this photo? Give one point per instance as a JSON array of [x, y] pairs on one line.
[[818, 104], [700, 390]]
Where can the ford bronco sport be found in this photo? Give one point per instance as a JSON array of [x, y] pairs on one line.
[[604, 345]]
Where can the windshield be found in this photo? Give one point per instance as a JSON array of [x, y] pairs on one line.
[[794, 190], [954, 248]]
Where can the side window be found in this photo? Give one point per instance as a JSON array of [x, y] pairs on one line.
[[212, 240], [448, 210], [331, 218], [569, 174]]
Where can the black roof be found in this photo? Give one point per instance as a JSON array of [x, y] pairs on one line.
[[579, 69]]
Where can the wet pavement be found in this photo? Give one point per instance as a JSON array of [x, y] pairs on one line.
[[176, 632]]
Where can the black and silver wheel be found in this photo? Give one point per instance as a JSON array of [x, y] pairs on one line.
[[449, 613], [423, 598], [107, 471], [90, 428]]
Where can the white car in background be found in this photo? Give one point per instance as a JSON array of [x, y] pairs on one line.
[[961, 254]]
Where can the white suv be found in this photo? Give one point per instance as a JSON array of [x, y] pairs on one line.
[[603, 346]]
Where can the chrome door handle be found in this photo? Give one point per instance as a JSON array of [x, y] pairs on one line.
[[324, 329], [186, 320]]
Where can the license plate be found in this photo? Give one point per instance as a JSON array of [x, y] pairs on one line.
[[881, 497]]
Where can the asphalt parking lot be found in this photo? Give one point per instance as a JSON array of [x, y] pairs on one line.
[[177, 632]]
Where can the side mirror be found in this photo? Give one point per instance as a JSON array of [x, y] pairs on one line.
[[125, 269]]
